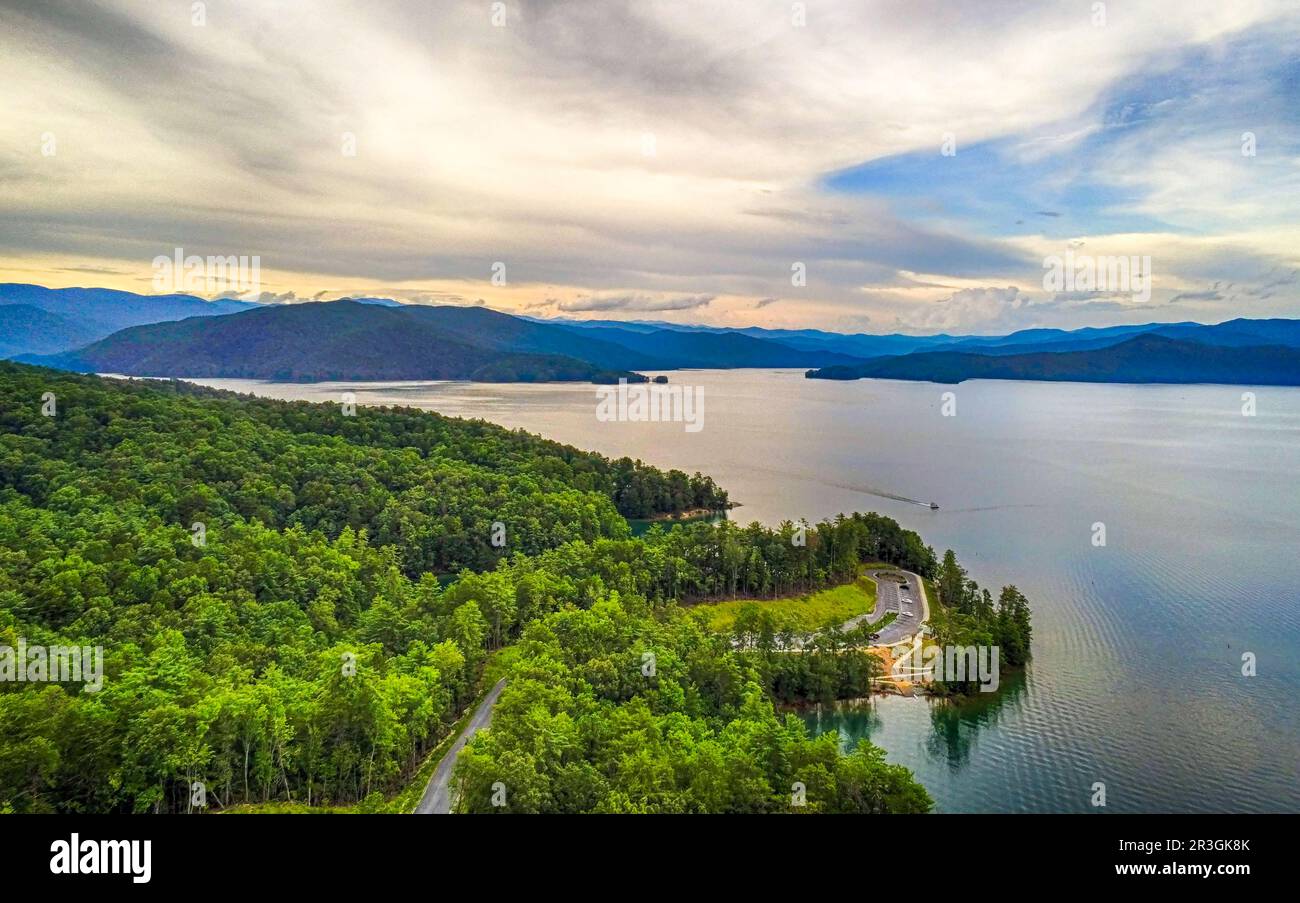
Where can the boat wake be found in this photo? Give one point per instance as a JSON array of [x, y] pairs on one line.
[[852, 487]]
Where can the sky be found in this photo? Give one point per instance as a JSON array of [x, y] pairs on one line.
[[861, 167]]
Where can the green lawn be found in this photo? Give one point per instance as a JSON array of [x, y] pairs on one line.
[[807, 612]]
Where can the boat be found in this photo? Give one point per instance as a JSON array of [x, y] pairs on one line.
[[934, 507]]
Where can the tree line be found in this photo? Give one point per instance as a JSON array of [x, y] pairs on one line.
[[309, 643], [616, 709], [329, 621], [430, 486], [969, 617]]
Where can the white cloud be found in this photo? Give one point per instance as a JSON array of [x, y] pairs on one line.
[[972, 309], [635, 303], [523, 144]]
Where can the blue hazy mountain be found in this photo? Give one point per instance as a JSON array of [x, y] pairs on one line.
[[1145, 358], [337, 340], [859, 345], [673, 349], [350, 339], [1239, 332], [82, 315], [25, 329], [492, 329], [1234, 332], [376, 338]]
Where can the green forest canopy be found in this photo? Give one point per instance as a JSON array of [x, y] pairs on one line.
[[334, 620]]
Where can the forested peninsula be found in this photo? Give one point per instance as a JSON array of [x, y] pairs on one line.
[[296, 605]]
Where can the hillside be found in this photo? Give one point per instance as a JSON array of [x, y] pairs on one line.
[[25, 329], [338, 340], [364, 340], [1142, 359], [673, 349], [846, 347], [381, 339], [231, 557], [80, 315], [1239, 333], [502, 332], [855, 345]]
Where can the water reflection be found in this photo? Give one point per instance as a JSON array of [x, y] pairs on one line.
[[955, 725], [854, 719]]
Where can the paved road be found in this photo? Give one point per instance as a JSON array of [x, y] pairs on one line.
[[437, 796], [892, 596]]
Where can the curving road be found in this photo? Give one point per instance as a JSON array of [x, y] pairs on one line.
[[891, 596], [437, 795]]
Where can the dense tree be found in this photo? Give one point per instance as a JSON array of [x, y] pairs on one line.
[[295, 605], [583, 726], [967, 617]]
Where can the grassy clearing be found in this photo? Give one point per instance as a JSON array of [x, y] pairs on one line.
[[931, 596], [888, 618], [811, 611]]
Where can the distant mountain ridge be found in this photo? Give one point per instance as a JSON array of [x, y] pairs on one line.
[[25, 329], [1145, 358], [505, 333], [672, 349], [336, 340], [860, 345], [76, 316], [382, 339], [362, 339], [1241, 331]]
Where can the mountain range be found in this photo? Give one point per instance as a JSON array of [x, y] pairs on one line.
[[1145, 358], [373, 340], [75, 316], [337, 340], [107, 331]]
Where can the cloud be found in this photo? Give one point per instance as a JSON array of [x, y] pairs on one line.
[[972, 308], [96, 271], [541, 165], [635, 303], [265, 297], [1208, 295]]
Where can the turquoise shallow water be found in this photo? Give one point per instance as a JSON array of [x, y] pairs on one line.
[[1136, 679]]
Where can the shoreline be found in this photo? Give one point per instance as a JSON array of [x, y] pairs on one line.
[[679, 516]]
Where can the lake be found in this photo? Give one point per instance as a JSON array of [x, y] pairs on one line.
[[1138, 644]]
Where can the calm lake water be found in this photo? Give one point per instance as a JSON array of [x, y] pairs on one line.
[[1138, 645]]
